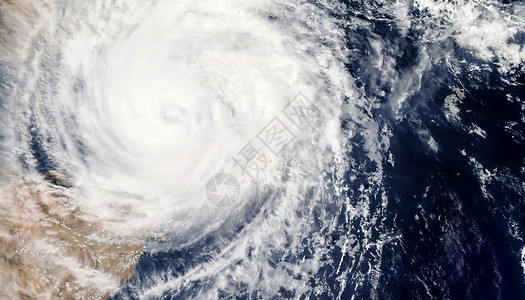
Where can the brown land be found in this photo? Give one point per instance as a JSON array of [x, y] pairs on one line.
[[49, 248]]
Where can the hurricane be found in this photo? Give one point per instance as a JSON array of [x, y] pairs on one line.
[[288, 149]]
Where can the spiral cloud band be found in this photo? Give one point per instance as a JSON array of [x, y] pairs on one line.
[[209, 149]]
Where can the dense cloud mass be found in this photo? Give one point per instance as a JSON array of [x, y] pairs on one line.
[[262, 149]]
